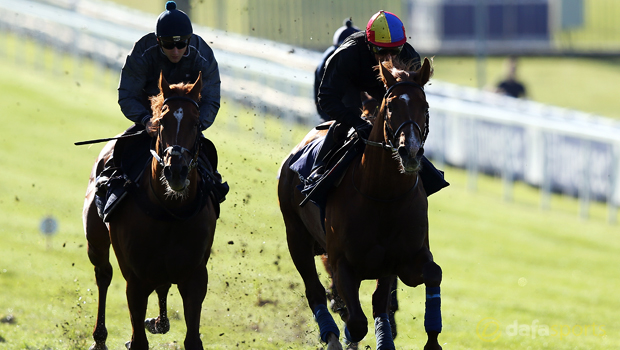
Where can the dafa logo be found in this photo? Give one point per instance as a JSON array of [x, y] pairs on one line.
[[490, 330]]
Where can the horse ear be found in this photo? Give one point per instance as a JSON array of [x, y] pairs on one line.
[[164, 87], [387, 77], [195, 91], [426, 71]]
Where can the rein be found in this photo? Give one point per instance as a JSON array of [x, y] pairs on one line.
[[176, 150], [389, 146]]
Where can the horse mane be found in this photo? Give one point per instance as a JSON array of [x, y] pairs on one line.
[[157, 101], [402, 70]]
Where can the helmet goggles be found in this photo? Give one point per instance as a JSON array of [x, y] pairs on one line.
[[378, 50], [169, 43]]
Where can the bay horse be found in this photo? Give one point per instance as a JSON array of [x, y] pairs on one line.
[[157, 243], [376, 219]]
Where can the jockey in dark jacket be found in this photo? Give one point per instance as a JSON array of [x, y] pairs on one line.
[[349, 72], [174, 50], [339, 36], [180, 55]]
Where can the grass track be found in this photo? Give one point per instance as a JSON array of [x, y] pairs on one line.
[[503, 262]]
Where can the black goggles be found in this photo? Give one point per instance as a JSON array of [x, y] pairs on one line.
[[386, 50], [169, 45]]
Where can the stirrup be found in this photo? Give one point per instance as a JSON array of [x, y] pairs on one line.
[[101, 186]]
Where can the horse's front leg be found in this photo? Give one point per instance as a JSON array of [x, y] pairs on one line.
[[348, 287], [137, 300], [161, 324], [431, 273], [380, 307], [193, 291]]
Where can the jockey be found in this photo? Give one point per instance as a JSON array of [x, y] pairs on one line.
[[349, 72], [180, 55], [339, 36]]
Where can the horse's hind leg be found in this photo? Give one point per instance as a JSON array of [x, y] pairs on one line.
[[193, 292], [335, 301], [301, 248], [161, 324], [381, 300], [98, 239], [348, 287], [431, 273], [137, 300], [393, 306]]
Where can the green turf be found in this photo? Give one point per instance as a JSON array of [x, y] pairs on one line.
[[506, 264]]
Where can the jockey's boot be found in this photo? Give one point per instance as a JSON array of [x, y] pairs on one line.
[[324, 154], [220, 188], [102, 182], [103, 179]]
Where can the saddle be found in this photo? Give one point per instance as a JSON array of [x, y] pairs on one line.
[[316, 182], [131, 158]]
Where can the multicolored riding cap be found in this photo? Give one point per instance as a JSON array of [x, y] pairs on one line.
[[385, 29]]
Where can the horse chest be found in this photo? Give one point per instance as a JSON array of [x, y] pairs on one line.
[[378, 242], [165, 255]]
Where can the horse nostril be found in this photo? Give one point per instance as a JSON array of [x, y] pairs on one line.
[[167, 172], [402, 151], [420, 152]]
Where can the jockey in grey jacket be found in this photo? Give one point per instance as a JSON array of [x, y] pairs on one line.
[[140, 77]]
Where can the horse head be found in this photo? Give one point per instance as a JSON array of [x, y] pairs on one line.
[[176, 122], [405, 112]]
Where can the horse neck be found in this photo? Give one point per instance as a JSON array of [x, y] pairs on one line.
[[378, 174]]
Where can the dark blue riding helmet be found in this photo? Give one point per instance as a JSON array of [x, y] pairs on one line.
[[173, 24], [344, 31]]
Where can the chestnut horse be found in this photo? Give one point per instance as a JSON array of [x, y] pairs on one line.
[[376, 219], [157, 243]]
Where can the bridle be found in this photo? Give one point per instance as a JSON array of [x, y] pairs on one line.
[[176, 150], [389, 146]]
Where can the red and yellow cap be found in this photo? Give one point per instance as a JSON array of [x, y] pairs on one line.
[[385, 29]]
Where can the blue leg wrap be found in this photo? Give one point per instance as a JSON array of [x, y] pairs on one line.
[[348, 337], [326, 322], [383, 333], [432, 314]]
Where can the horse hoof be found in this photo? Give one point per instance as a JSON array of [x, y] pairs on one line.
[[154, 327], [352, 346], [333, 343], [98, 346], [128, 345]]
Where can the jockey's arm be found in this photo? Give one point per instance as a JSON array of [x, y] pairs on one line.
[[336, 81], [130, 89], [210, 93]]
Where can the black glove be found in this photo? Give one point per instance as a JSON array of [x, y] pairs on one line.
[[363, 128]]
